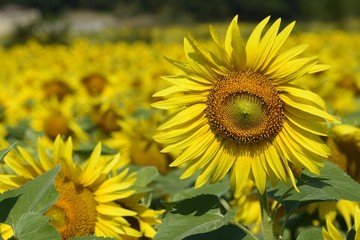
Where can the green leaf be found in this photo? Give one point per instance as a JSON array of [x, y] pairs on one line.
[[313, 234], [5, 151], [352, 118], [331, 185], [171, 184], [351, 234], [32, 226], [146, 175], [226, 232], [218, 189], [91, 238], [35, 196], [200, 214]]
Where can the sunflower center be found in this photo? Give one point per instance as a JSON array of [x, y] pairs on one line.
[[245, 107], [94, 84], [245, 110], [56, 124], [56, 88], [74, 213]]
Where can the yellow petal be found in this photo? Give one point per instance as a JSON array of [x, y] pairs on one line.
[[316, 128], [303, 94], [240, 173], [201, 162], [252, 45], [189, 83], [209, 169], [302, 107], [114, 210], [278, 43], [235, 47], [188, 114], [318, 68], [170, 91], [179, 101], [226, 162], [266, 45], [292, 70], [196, 52], [258, 173], [273, 159], [195, 150], [170, 136], [284, 58], [307, 140], [225, 59]]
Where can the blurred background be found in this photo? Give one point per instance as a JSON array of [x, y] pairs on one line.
[[59, 20], [89, 69]]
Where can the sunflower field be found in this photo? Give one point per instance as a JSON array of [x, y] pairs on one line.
[[240, 131]]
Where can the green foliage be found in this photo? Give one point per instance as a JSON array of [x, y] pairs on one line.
[[22, 208], [228, 232], [218, 189], [313, 233], [192, 213], [200, 214], [332, 184], [144, 176], [91, 238]]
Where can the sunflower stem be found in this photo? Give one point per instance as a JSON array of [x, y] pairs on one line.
[[267, 227], [245, 229]]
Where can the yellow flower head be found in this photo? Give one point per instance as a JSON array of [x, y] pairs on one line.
[[136, 144], [237, 110], [89, 195], [247, 208], [54, 118], [344, 142], [331, 233]]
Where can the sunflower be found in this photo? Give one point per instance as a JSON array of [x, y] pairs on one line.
[[88, 193], [145, 219], [54, 118], [344, 142], [136, 144], [331, 233], [247, 208], [237, 110], [329, 211]]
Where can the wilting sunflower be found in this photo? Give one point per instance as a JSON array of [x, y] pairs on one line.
[[88, 194], [236, 109]]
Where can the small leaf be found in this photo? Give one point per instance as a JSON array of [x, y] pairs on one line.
[[313, 234], [331, 185], [35, 196], [5, 151], [192, 216], [32, 226]]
